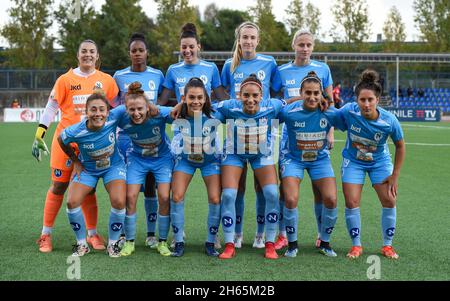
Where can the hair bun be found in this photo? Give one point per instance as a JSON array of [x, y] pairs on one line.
[[135, 88], [137, 36], [98, 91], [370, 76], [312, 74], [253, 76], [189, 27]]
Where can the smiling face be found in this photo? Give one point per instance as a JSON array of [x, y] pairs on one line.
[[138, 53], [189, 49], [87, 56], [195, 100], [96, 113], [303, 47], [137, 109], [368, 102], [251, 97], [311, 94], [248, 40]]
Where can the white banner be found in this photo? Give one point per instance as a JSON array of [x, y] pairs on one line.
[[26, 115]]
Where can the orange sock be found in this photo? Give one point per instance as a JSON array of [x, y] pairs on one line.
[[52, 204], [90, 211]]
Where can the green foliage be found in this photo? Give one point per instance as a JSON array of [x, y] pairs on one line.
[[31, 45], [77, 22], [172, 15], [219, 27], [295, 18], [433, 20], [351, 17], [394, 30]]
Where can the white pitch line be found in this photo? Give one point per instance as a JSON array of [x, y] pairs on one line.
[[411, 143], [426, 126]]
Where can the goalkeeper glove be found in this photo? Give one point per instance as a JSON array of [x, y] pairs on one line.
[[39, 143]]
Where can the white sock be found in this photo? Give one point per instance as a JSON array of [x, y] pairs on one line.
[[47, 230]]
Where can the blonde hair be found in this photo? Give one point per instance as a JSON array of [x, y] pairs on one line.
[[301, 32], [237, 50]]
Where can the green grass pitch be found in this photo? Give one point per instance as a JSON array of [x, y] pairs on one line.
[[421, 238]]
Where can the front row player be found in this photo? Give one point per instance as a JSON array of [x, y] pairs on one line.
[[99, 158], [366, 150]]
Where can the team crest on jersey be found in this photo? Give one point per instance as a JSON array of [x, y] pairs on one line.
[[378, 137], [156, 131], [261, 75], [111, 137], [98, 85], [323, 123], [151, 85], [204, 79], [58, 173]]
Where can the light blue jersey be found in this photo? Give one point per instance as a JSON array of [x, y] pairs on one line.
[[290, 76], [98, 149], [151, 80], [178, 75], [249, 135], [367, 139], [265, 68]]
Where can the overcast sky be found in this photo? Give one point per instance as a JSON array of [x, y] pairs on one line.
[[378, 10]]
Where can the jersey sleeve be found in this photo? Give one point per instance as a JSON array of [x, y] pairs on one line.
[[328, 80], [112, 91], [215, 81], [226, 75], [59, 91], [278, 104], [338, 119], [161, 80], [397, 132], [168, 83], [221, 110], [68, 134], [164, 112], [275, 80]]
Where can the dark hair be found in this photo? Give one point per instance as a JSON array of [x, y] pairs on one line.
[[252, 78], [135, 91], [189, 31], [196, 82], [97, 94], [137, 37], [369, 80], [311, 77]]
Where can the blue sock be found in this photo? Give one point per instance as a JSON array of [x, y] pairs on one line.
[[163, 226], [329, 217], [228, 213], [213, 222], [388, 219], [291, 222], [239, 213], [177, 218], [281, 225], [272, 211], [76, 220], [151, 211], [260, 212], [353, 221], [318, 208], [116, 223], [130, 227]]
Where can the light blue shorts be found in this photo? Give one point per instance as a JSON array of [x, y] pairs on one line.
[[355, 173], [256, 162], [124, 144], [207, 168], [318, 169], [138, 167], [115, 172]]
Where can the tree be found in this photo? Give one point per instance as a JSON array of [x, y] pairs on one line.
[[218, 33], [352, 16], [273, 34], [115, 29], [27, 33], [210, 13], [312, 19], [295, 18], [394, 30], [433, 20], [172, 15], [76, 23]]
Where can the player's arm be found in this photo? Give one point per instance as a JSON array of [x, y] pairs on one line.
[[39, 146], [69, 151], [220, 93], [329, 98], [392, 180], [164, 99]]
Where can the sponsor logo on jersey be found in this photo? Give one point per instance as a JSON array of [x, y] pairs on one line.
[[290, 82], [152, 217], [116, 226], [75, 226], [58, 173], [181, 80], [356, 129], [227, 221], [238, 75], [300, 124], [354, 232], [75, 87], [272, 218], [390, 232], [89, 146]]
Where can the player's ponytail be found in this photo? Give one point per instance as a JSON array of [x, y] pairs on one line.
[[369, 80], [237, 50]]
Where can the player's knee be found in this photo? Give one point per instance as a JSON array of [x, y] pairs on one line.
[[118, 202], [290, 202], [330, 201], [215, 200], [177, 197]]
